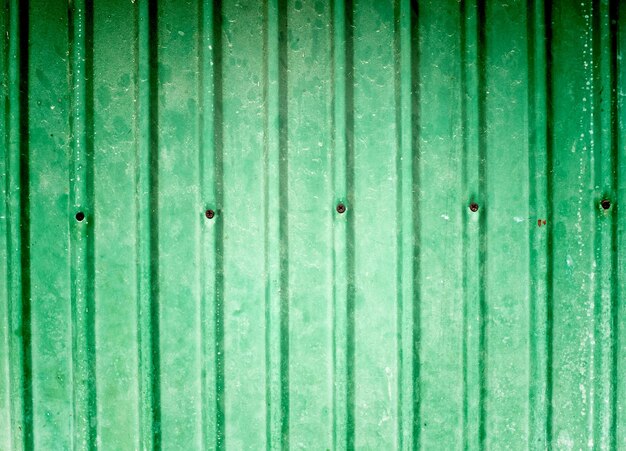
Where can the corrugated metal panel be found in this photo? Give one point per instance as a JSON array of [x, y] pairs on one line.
[[215, 294]]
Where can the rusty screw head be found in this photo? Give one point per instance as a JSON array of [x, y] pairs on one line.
[[210, 214], [606, 204], [80, 216], [341, 208], [473, 207]]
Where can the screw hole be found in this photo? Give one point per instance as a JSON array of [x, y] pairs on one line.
[[606, 204], [341, 208], [210, 214], [473, 207], [80, 216]]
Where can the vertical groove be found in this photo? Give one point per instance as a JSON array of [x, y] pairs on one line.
[[350, 238], [464, 228], [84, 420], [147, 224], [408, 323], [547, 14], [482, 227], [269, 139], [415, 221], [538, 400], [23, 184], [206, 259], [283, 225], [153, 111], [89, 273], [598, 265], [218, 163], [276, 224], [398, 96], [9, 418], [534, 379], [18, 230], [24, 223], [615, 166], [143, 226], [22, 118]]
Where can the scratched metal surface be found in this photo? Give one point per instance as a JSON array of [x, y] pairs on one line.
[[176, 272]]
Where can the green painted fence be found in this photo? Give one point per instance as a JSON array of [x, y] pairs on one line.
[[308, 224]]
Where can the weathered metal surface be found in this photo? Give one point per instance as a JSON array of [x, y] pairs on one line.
[[214, 294]]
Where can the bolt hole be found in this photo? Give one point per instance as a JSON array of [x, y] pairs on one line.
[[606, 204], [210, 214], [473, 207], [341, 209], [80, 216]]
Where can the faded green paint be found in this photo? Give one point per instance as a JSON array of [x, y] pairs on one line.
[[408, 321]]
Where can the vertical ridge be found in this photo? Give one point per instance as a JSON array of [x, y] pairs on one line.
[[210, 251], [218, 162], [605, 132], [406, 97], [84, 419], [538, 400], [338, 167], [618, 32], [147, 223], [473, 180], [342, 231], [350, 238], [547, 15], [18, 230], [276, 224]]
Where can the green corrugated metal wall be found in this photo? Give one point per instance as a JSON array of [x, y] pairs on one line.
[[407, 321]]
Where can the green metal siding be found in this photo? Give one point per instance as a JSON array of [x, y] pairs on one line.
[[278, 321]]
